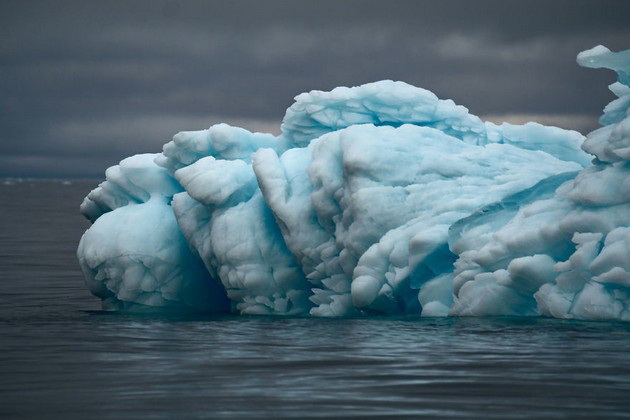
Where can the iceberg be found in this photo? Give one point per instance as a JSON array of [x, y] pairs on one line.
[[375, 199]]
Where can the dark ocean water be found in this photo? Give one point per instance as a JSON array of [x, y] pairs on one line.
[[61, 357]]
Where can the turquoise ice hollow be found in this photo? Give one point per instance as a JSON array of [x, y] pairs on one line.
[[375, 199]]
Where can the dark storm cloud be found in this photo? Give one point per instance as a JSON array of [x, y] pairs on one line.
[[84, 84]]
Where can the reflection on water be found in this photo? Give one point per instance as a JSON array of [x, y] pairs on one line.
[[61, 356]]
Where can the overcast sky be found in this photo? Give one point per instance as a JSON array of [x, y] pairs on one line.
[[84, 84]]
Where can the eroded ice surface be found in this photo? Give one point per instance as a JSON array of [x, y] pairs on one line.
[[566, 255], [134, 256], [379, 198]]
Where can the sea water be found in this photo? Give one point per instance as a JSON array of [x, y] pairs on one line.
[[62, 357]]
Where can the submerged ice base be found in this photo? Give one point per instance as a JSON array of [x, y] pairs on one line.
[[376, 199]]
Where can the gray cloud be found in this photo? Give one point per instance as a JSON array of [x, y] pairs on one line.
[[91, 82]]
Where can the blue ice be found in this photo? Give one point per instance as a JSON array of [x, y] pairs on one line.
[[376, 199]]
